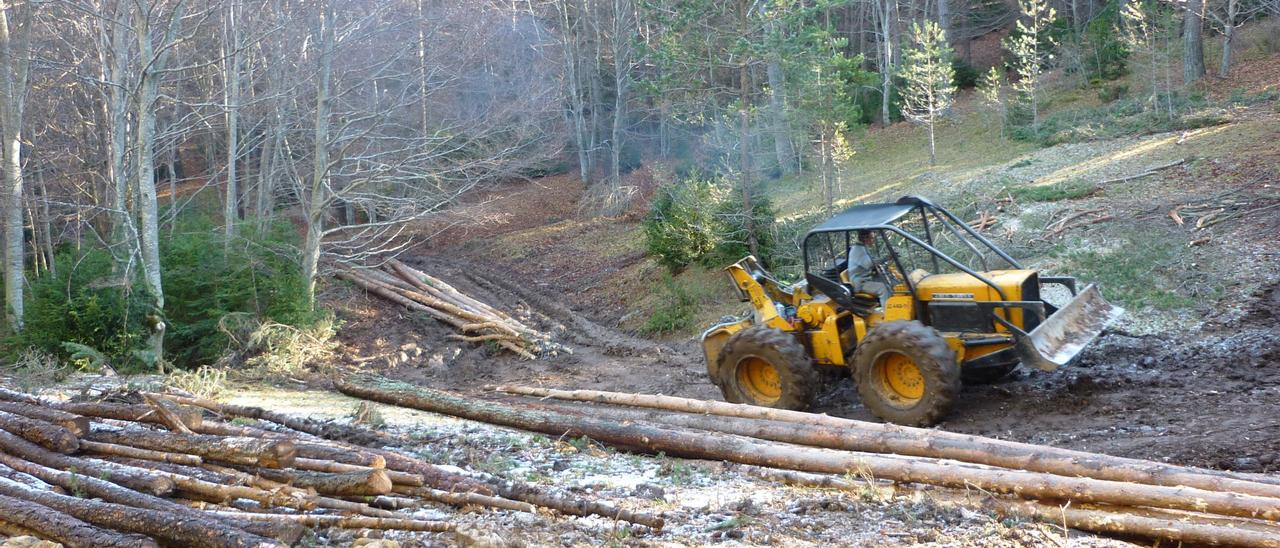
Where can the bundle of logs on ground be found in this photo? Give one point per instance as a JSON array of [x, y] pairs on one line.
[[476, 321], [165, 471], [1085, 491]]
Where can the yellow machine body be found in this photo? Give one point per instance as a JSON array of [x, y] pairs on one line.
[[831, 335]]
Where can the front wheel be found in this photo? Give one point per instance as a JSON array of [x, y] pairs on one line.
[[769, 368], [906, 373]]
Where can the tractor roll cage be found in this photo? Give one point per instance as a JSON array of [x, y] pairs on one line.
[[879, 217]]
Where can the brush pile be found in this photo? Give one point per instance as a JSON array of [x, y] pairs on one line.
[[475, 321], [168, 471], [1086, 491]]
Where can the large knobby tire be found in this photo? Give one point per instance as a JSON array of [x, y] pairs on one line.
[[769, 368], [906, 373]]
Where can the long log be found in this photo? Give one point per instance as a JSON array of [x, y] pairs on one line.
[[465, 499], [191, 418], [177, 529], [397, 477], [19, 397], [372, 481], [46, 434], [320, 429], [348, 522], [265, 487], [77, 424], [181, 469], [271, 453], [48, 523], [94, 486], [111, 449], [751, 451], [344, 455], [402, 469], [903, 440], [146, 483], [1129, 524], [435, 476]]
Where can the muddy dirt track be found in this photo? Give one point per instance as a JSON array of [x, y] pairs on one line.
[[1207, 397]]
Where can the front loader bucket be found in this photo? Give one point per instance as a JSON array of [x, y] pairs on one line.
[[1060, 338]]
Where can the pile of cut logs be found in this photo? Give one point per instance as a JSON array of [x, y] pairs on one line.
[[475, 321], [167, 471], [1086, 491]]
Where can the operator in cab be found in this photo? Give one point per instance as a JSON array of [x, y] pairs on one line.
[[862, 268]]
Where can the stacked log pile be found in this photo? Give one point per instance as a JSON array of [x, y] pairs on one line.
[[1087, 491], [474, 320], [164, 473]]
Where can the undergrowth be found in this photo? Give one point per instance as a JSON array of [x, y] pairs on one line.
[[1127, 116], [677, 313], [1070, 190], [91, 314], [1142, 270]]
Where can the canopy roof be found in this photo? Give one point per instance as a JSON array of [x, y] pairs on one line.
[[869, 215]]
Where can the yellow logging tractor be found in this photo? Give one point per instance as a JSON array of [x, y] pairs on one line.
[[911, 301]]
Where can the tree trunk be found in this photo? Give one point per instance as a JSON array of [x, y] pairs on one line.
[[744, 138], [147, 95], [111, 449], [231, 90], [888, 9], [15, 55], [124, 231], [933, 146], [190, 416], [855, 435], [48, 467], [51, 524], [1179, 528], [944, 19], [690, 444], [1193, 42], [623, 34], [349, 522], [50, 436], [175, 529], [343, 455], [782, 146], [368, 482], [397, 477], [320, 196], [76, 424], [1228, 37], [23, 449], [271, 453], [465, 499]]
